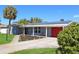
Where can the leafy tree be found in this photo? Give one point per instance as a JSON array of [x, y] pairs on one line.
[[10, 13], [68, 39], [23, 22], [36, 20]]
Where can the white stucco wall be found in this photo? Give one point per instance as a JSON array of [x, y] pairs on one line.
[[3, 30]]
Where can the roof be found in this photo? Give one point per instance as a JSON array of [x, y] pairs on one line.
[[49, 24], [43, 23], [3, 26]]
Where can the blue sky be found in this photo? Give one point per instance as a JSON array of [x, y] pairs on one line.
[[50, 13]]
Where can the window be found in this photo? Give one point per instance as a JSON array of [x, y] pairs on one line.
[[37, 29]]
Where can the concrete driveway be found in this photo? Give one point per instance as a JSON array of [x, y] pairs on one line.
[[40, 43]]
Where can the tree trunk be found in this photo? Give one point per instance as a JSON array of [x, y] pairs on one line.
[[8, 30], [7, 34], [9, 26]]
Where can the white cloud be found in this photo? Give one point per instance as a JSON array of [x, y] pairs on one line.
[[76, 16]]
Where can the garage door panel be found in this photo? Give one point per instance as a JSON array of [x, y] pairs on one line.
[[55, 31]]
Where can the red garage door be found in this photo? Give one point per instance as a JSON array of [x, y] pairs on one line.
[[55, 31]]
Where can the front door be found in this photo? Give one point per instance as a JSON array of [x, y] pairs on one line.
[[55, 31]]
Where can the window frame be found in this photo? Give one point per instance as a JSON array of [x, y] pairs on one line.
[[37, 30]]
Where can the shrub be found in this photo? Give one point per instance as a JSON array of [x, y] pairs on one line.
[[68, 39]]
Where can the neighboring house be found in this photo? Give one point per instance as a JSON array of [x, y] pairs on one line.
[[15, 29], [42, 29], [3, 28]]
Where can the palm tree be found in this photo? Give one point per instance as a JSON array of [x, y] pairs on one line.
[[10, 13], [23, 22], [36, 20]]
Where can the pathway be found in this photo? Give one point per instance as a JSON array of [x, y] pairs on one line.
[[15, 39]]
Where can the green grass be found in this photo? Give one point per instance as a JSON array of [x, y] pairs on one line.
[[3, 38], [37, 51]]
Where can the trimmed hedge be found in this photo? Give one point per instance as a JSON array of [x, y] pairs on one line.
[[68, 39]]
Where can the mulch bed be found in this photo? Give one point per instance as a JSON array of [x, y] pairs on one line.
[[28, 37]]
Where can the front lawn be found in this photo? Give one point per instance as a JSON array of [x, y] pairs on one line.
[[3, 38], [37, 51]]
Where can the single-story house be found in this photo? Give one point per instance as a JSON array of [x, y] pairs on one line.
[[50, 29]]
